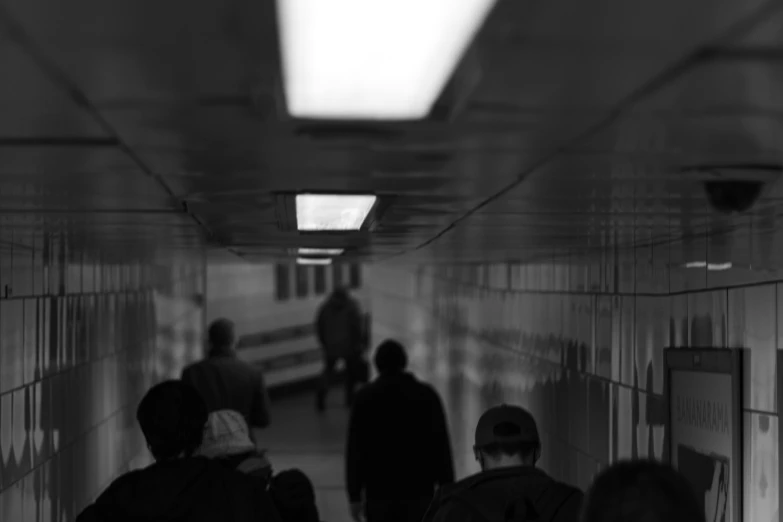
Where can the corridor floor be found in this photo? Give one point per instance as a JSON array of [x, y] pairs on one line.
[[299, 437]]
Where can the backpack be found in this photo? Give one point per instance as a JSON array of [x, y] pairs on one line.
[[293, 495]]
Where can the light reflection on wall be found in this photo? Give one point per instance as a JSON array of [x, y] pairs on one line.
[[179, 335]]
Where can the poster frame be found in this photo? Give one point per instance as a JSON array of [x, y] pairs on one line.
[[778, 399], [725, 361]]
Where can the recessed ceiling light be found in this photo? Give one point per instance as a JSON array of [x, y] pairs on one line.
[[372, 59], [314, 261], [709, 266], [320, 251], [316, 212]]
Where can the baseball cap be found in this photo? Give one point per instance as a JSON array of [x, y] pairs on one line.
[[487, 429], [226, 434]]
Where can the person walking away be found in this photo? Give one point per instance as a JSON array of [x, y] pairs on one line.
[[339, 327], [227, 439], [227, 383], [179, 485], [398, 448], [509, 486], [634, 490]]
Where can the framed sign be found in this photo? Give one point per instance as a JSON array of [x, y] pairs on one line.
[[704, 425]]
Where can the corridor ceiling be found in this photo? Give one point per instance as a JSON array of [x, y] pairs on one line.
[[136, 125]]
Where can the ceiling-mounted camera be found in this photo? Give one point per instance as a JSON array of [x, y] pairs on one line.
[[733, 188], [733, 196]]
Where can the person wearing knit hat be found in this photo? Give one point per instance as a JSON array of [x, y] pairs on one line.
[[227, 439], [181, 485]]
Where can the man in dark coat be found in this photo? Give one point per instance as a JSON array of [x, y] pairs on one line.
[[509, 488], [227, 383], [339, 327], [398, 443]]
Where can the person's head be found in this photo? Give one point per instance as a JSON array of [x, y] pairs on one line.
[[506, 436], [226, 434], [641, 491], [390, 357], [172, 416], [221, 336], [340, 295], [294, 496]]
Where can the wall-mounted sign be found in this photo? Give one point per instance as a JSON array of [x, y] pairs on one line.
[[704, 427]]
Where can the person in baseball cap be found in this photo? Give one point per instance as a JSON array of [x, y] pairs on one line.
[[507, 446], [503, 428]]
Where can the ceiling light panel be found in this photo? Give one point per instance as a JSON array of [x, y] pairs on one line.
[[715, 267], [313, 261], [372, 59], [320, 251], [325, 212]]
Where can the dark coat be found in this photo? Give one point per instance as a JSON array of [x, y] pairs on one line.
[[509, 494], [228, 383], [398, 441], [185, 490]]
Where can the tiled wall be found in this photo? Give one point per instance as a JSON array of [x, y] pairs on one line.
[[582, 347], [80, 343]]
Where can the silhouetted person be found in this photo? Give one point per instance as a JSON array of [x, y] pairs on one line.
[[227, 383], [509, 486], [641, 491], [398, 443], [339, 327], [179, 486], [294, 496], [227, 439]]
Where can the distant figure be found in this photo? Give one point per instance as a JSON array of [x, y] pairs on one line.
[[641, 490], [509, 486], [398, 443], [227, 439], [227, 383], [340, 330], [179, 486], [294, 496]]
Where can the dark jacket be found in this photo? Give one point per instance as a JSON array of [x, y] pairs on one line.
[[339, 327], [186, 490], [253, 464], [227, 383], [398, 441], [508, 494]]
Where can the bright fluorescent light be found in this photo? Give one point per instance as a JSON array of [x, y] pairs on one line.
[[709, 266], [314, 261], [372, 59], [320, 251], [332, 212]]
